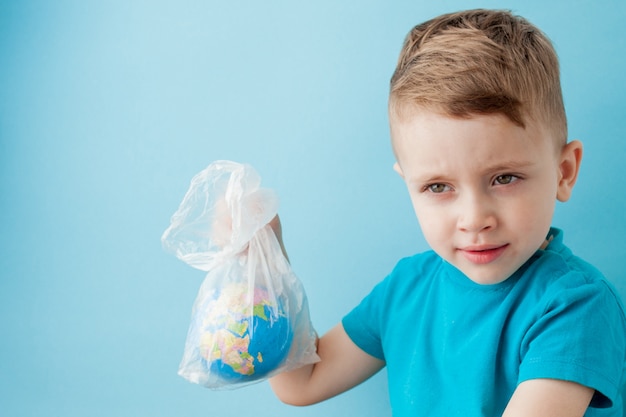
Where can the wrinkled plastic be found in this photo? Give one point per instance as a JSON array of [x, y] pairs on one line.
[[222, 227]]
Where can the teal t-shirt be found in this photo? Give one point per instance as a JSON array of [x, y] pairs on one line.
[[453, 347]]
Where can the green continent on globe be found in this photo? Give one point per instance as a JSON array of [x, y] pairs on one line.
[[244, 337]]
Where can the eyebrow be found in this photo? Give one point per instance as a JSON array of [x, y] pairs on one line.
[[510, 165]]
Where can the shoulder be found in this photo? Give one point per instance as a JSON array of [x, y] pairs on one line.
[[568, 286], [366, 323], [563, 276], [412, 272], [419, 265]]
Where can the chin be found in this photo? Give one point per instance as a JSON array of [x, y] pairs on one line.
[[487, 278]]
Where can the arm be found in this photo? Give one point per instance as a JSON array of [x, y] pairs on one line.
[[343, 365], [549, 398]]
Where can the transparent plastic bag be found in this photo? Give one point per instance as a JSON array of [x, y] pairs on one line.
[[251, 318]]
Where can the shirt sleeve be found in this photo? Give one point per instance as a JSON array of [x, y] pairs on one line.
[[362, 324], [579, 337]]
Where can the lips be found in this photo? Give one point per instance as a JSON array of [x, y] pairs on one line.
[[483, 254]]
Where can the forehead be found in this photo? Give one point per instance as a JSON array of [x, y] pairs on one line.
[[418, 119], [431, 140]]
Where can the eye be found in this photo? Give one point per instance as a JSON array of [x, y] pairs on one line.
[[437, 188], [505, 179]]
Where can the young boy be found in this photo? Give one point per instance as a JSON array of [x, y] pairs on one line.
[[500, 318]]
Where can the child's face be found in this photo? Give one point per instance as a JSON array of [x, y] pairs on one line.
[[483, 189]]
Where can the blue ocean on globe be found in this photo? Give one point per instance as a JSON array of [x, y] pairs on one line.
[[240, 341]]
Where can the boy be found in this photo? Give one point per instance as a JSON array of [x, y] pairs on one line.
[[500, 318]]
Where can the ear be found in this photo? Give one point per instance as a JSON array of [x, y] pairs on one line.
[[569, 165], [396, 167]]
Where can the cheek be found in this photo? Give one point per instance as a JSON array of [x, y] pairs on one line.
[[532, 216], [432, 221]]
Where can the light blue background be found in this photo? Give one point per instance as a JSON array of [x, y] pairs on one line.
[[108, 108]]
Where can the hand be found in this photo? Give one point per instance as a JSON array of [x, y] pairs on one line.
[[222, 225]]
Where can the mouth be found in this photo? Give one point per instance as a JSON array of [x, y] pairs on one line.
[[483, 254]]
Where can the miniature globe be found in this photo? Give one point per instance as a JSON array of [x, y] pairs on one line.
[[244, 336]]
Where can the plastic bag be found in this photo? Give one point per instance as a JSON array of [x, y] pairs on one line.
[[251, 318]]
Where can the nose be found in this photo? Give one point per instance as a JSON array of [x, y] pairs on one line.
[[476, 213]]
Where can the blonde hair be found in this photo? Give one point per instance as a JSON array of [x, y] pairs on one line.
[[480, 62]]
